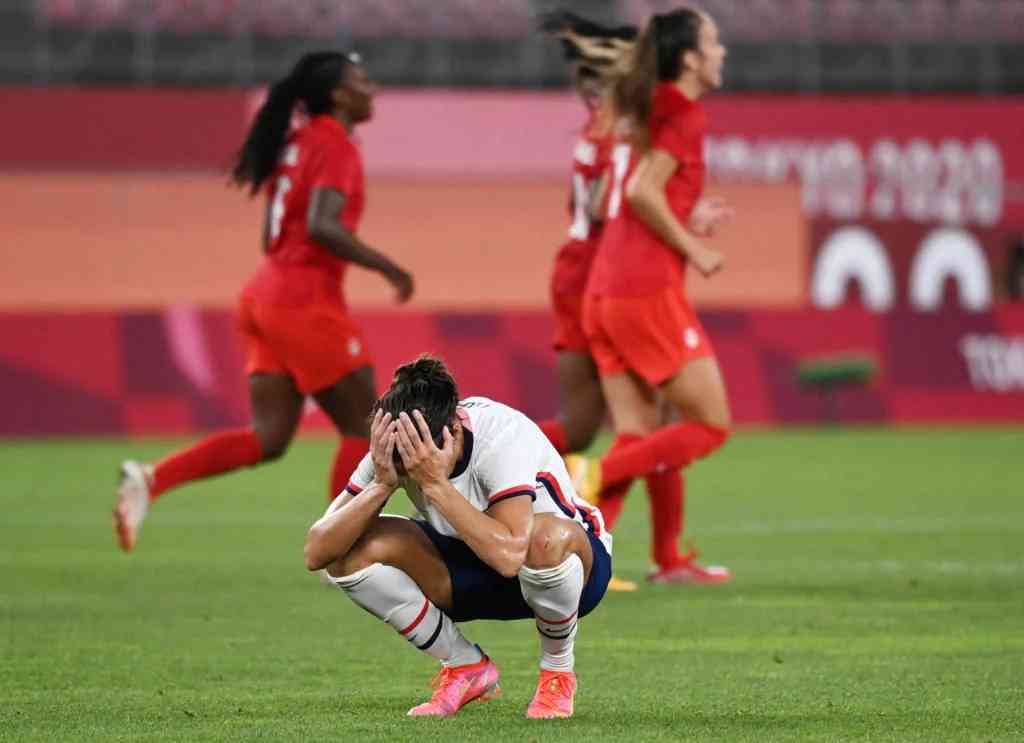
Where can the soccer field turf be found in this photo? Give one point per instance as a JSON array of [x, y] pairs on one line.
[[879, 595]]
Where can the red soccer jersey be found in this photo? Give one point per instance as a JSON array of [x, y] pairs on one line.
[[590, 158], [318, 155], [632, 260]]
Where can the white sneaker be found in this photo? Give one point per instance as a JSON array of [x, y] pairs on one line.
[[132, 502]]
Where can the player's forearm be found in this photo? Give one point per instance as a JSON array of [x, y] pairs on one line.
[[333, 535], [344, 244], [490, 540], [652, 207]]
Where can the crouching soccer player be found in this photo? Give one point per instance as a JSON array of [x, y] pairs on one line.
[[500, 535]]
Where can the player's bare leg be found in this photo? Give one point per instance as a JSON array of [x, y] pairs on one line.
[[583, 406], [276, 407], [395, 573], [557, 566], [634, 410], [348, 403], [583, 410]]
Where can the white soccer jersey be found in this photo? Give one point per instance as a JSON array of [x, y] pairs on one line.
[[505, 455]]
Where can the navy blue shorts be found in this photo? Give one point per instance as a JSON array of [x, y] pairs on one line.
[[481, 592]]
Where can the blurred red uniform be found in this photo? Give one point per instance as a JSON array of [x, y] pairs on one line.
[[292, 312], [636, 313], [574, 259]]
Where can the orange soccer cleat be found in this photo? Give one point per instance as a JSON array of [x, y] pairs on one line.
[[585, 473], [554, 696], [458, 686], [621, 585]]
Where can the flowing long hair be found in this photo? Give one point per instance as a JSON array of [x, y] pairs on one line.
[[657, 57], [310, 83]]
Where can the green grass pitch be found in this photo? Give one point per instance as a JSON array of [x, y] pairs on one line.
[[879, 596]]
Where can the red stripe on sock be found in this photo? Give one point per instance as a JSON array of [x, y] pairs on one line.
[[557, 621], [221, 452], [417, 620]]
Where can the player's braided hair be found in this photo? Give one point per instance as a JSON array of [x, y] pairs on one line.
[[310, 83], [425, 385], [656, 58]]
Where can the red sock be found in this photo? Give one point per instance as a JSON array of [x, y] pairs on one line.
[[666, 492], [614, 498], [221, 452], [350, 453], [668, 448], [555, 431]]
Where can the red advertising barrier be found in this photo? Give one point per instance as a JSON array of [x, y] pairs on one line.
[[181, 369], [909, 204]]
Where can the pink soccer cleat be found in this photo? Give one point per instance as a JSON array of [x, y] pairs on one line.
[[689, 571], [458, 686], [554, 696]]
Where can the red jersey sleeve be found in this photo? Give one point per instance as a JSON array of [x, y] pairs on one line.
[[680, 135], [336, 167]]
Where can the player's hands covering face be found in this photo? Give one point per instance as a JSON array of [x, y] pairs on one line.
[[383, 438], [423, 461]]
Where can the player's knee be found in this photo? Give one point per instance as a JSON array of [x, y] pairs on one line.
[[361, 556], [376, 545], [551, 541], [717, 416], [274, 448]]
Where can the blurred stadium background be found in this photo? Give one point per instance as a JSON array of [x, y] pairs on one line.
[[874, 150], [872, 222]]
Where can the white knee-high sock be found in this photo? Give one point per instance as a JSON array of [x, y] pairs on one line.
[[390, 594], [554, 596]]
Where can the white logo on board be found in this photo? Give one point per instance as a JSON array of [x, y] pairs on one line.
[[354, 346], [691, 338]]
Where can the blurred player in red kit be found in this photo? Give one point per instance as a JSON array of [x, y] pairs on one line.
[[646, 339], [299, 338], [601, 56], [592, 50]]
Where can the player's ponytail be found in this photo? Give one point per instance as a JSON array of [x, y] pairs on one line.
[[657, 57], [311, 83]]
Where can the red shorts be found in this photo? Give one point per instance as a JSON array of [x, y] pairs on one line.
[[568, 281], [569, 335], [316, 344], [653, 336]]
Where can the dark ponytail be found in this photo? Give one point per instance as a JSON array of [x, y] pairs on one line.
[[311, 83], [657, 57]]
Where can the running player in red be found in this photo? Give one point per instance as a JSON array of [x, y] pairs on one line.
[[298, 335], [598, 54], [582, 400], [593, 51], [645, 337]]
